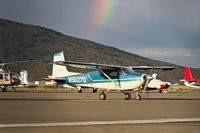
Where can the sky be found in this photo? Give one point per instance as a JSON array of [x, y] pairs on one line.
[[167, 30]]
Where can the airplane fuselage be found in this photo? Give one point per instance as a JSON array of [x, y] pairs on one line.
[[103, 77], [192, 84], [96, 79]]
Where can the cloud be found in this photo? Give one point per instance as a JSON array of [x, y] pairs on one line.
[[182, 56], [161, 52]]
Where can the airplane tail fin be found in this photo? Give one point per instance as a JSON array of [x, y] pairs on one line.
[[154, 75], [187, 74], [58, 70]]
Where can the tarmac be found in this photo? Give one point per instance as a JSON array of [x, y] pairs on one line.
[[50, 112]]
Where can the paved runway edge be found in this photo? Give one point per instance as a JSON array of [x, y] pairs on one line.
[[90, 123]]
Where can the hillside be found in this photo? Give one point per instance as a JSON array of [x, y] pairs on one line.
[[26, 42]]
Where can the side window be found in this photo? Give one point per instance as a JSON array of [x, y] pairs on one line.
[[106, 72], [1, 76], [113, 74], [6, 77]]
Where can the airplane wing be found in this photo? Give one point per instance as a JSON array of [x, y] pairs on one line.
[[94, 66], [84, 65], [152, 67]]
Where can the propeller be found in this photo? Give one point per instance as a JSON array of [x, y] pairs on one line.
[[15, 62], [148, 78]]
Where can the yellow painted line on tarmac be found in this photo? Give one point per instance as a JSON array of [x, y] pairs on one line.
[[90, 123]]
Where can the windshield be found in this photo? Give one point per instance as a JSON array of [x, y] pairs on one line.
[[127, 70], [118, 72]]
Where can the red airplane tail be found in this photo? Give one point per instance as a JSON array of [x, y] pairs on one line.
[[187, 74]]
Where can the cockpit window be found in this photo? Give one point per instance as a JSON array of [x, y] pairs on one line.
[[6, 77], [111, 73], [1, 76], [118, 72], [127, 70], [114, 74]]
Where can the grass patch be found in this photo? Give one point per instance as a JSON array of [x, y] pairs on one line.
[[180, 88]]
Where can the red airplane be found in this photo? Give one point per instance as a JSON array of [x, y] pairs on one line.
[[189, 80]]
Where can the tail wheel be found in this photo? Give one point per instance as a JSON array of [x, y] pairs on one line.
[[127, 96], [102, 96], [138, 97]]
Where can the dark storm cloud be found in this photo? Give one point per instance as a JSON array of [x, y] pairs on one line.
[[163, 29]]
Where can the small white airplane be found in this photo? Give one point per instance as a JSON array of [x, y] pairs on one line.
[[157, 84], [103, 77]]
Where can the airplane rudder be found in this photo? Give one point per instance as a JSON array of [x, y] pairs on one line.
[[187, 74], [58, 70], [59, 56]]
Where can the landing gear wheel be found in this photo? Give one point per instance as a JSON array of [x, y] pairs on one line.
[[127, 96], [3, 89], [94, 90], [80, 91], [138, 97], [102, 96], [14, 88]]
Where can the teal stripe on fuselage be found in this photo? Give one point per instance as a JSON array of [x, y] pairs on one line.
[[58, 54], [97, 77]]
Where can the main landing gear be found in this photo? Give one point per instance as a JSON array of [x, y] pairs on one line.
[[80, 91], [4, 89], [94, 90], [127, 95], [14, 88], [138, 96], [102, 96]]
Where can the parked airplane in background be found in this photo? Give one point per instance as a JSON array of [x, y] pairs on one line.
[[189, 80], [11, 79], [8, 79], [157, 84], [103, 77]]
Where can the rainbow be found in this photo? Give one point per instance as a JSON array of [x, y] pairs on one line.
[[103, 11]]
